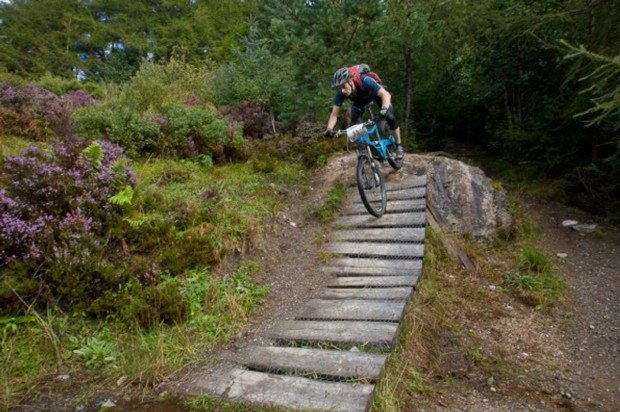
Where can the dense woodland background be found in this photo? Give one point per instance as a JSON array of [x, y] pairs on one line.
[[141, 142], [532, 81]]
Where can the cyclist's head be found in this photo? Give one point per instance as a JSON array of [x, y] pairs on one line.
[[341, 76]]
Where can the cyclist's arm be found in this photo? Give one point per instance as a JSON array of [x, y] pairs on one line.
[[386, 97], [333, 117]]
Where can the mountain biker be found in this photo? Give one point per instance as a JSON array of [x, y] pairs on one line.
[[361, 97]]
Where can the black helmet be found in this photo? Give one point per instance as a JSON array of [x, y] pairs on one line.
[[341, 76]]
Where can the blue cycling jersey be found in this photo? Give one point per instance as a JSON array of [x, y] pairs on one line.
[[361, 98]]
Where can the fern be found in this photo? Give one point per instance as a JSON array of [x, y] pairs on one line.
[[95, 153], [118, 167], [123, 198]]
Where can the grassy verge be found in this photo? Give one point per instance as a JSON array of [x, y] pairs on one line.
[[43, 345], [185, 217], [335, 197], [206, 403], [444, 346]]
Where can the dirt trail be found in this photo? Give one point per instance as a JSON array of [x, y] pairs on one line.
[[592, 333]]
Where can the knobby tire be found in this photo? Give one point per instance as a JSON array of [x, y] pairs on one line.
[[371, 186]]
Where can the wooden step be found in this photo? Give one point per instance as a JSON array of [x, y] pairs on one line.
[[387, 220], [285, 391], [399, 293], [365, 263], [409, 234], [352, 309], [415, 193], [332, 363], [357, 332], [356, 271], [396, 206], [373, 281], [417, 181], [372, 249]]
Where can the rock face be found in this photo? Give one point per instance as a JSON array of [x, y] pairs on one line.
[[465, 200]]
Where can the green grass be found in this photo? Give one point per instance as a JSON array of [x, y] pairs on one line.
[[207, 403], [601, 234], [63, 343], [534, 281], [335, 197]]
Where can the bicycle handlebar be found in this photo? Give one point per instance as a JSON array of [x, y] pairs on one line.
[[342, 132]]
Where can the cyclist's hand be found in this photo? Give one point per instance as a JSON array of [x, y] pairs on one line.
[[383, 111], [329, 133]]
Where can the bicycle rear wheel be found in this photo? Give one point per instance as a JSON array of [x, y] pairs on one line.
[[371, 186]]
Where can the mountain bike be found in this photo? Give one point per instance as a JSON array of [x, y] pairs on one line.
[[371, 146]]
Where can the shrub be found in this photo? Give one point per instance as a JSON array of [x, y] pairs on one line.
[[36, 112], [55, 218], [156, 85], [194, 130], [180, 130], [135, 132], [61, 86], [256, 121]]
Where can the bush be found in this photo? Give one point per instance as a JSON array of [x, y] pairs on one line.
[[256, 121], [61, 86], [35, 112], [156, 85], [194, 130], [55, 218], [136, 133], [180, 130]]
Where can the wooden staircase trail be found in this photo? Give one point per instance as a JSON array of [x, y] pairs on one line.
[[376, 264]]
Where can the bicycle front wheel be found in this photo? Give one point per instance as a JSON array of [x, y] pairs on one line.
[[371, 186]]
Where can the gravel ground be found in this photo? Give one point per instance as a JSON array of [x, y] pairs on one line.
[[591, 270]]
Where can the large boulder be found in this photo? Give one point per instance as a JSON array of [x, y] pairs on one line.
[[462, 198]]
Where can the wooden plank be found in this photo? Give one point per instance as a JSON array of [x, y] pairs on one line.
[[377, 249], [415, 193], [343, 364], [387, 220], [353, 309], [358, 332], [395, 206], [367, 293], [373, 281], [410, 234], [286, 391], [416, 181], [357, 271], [404, 264]]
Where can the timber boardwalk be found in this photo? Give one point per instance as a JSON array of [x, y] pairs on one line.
[[376, 264]]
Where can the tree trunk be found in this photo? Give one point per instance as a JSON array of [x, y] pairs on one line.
[[507, 108], [409, 89], [273, 123]]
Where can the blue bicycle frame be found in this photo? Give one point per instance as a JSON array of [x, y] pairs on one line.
[[378, 147]]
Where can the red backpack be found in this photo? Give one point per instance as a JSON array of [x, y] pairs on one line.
[[360, 70]]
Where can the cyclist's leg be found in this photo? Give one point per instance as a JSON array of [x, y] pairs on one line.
[[390, 117]]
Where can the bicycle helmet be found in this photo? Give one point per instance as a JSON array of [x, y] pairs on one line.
[[341, 76]]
